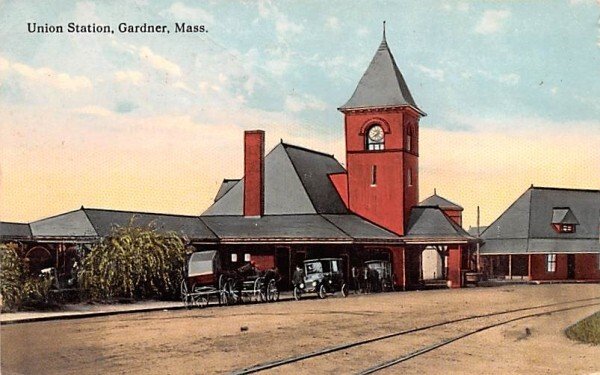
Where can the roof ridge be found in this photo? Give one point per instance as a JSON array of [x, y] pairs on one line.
[[312, 203], [307, 150], [560, 188], [505, 211], [57, 215], [137, 212], [90, 220]]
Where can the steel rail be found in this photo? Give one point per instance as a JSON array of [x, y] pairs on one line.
[[427, 349], [332, 349]]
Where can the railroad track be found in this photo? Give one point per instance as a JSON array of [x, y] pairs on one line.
[[322, 352]]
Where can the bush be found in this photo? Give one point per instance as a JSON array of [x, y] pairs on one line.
[[11, 277], [133, 262], [17, 288], [586, 330]]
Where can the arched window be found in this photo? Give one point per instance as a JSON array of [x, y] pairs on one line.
[[374, 138], [409, 135]]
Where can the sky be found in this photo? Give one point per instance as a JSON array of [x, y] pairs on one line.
[[154, 122]]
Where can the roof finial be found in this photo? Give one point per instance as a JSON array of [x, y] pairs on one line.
[[434, 191], [384, 31]]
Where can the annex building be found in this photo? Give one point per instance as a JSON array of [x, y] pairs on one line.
[[294, 203]]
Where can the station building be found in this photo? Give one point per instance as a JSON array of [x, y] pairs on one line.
[[294, 203], [547, 234]]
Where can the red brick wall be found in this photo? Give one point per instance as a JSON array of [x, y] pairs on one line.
[[340, 182], [539, 271], [398, 266], [455, 215], [263, 262], [389, 201], [254, 151], [587, 267], [455, 266]]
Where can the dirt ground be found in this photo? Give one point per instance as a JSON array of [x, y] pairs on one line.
[[211, 341]]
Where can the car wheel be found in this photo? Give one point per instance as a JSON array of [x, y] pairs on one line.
[[344, 290], [322, 292]]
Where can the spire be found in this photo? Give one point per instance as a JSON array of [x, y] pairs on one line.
[[382, 85]]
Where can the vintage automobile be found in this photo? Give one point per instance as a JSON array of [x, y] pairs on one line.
[[379, 276], [322, 276]]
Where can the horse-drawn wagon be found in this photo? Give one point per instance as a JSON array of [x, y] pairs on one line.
[[205, 280]]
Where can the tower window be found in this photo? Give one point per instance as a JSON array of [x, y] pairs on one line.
[[409, 140], [409, 178], [375, 138], [374, 175]]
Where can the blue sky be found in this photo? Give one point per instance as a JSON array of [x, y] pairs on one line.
[[287, 66]]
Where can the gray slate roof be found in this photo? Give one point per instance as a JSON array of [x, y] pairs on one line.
[[14, 231], [275, 227], [90, 223], [296, 182], [190, 226], [526, 226], [563, 216], [382, 85], [443, 203], [431, 224], [310, 228], [226, 185]]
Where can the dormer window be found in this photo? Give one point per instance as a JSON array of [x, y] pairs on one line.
[[375, 138], [564, 220], [567, 228]]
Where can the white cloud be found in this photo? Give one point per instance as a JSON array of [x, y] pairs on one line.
[[297, 103], [183, 86], [184, 12], [93, 110], [492, 21], [510, 79], [130, 76], [283, 26], [461, 7], [332, 23], [45, 76], [362, 31], [437, 74], [159, 62]]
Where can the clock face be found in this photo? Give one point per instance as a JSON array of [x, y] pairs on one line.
[[376, 134]]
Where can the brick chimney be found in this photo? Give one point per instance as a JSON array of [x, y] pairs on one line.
[[254, 173]]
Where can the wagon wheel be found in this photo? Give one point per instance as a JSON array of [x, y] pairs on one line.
[[184, 293], [272, 291], [297, 293], [344, 290], [198, 299], [230, 292], [260, 291], [322, 292]]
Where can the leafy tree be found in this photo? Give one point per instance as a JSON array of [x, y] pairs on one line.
[[17, 287], [134, 262], [12, 277]]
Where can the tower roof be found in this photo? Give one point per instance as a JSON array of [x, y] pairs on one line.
[[441, 202], [382, 85]]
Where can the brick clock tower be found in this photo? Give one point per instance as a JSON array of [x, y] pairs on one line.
[[382, 145]]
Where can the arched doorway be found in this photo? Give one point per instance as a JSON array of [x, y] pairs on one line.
[[37, 259]]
